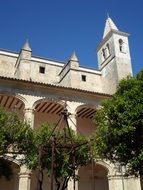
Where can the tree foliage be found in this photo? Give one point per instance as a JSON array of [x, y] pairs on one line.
[[119, 135], [69, 155], [71, 150], [15, 138]]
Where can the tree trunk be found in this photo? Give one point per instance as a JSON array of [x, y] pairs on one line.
[[40, 180], [62, 185]]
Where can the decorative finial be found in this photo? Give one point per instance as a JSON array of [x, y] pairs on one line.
[[26, 45], [74, 57]]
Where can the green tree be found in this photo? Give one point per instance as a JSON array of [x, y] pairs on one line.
[[15, 138], [70, 153], [68, 150], [119, 135]]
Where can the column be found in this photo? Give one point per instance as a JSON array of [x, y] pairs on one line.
[[72, 121], [71, 107], [29, 116], [73, 185], [111, 182], [72, 124], [116, 182], [24, 178], [132, 183]]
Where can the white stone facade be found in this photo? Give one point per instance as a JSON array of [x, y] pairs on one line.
[[37, 89]]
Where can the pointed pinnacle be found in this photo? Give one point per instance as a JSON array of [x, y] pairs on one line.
[[74, 57], [26, 46]]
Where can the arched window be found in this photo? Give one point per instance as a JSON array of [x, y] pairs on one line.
[[104, 53], [122, 46], [108, 50]]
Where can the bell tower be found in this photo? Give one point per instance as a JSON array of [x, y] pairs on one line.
[[113, 57]]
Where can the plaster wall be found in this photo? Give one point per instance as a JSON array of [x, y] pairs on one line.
[[87, 181], [40, 118], [28, 69], [93, 81], [132, 183], [85, 126], [109, 77], [50, 75], [7, 64]]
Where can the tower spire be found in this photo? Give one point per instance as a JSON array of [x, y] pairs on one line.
[[110, 25]]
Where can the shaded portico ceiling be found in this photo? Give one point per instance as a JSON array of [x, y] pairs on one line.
[[11, 103], [86, 112], [49, 108]]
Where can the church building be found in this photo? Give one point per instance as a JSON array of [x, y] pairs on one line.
[[37, 88]]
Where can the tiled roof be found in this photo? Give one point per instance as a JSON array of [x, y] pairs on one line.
[[56, 86]]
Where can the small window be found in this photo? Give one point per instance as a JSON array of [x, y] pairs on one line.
[[42, 70], [122, 46], [108, 50], [104, 53], [83, 78]]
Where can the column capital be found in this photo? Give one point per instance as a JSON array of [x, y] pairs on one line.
[[72, 115], [72, 106], [24, 175], [29, 110], [24, 172]]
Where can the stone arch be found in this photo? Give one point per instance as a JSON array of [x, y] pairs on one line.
[[94, 176], [13, 102], [47, 99], [11, 159], [108, 166], [20, 97], [47, 110], [84, 115], [85, 105]]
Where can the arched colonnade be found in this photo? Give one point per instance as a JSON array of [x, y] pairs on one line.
[[38, 110]]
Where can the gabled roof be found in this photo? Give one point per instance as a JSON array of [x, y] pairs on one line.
[[47, 85]]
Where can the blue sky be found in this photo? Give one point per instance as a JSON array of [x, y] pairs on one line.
[[55, 28]]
